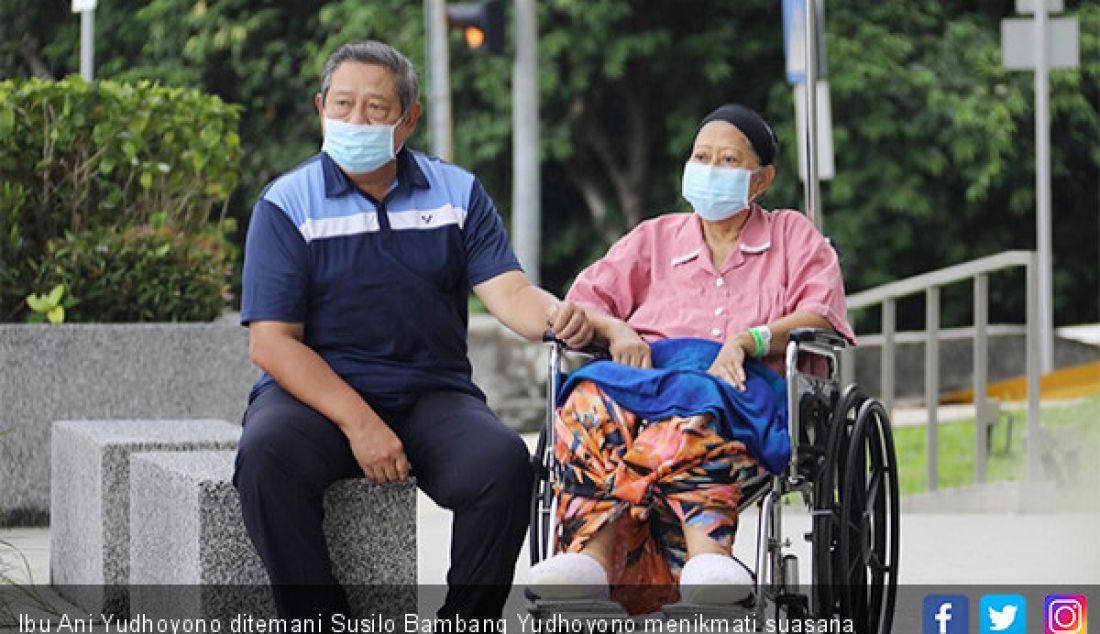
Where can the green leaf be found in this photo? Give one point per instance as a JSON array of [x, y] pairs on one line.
[[163, 250], [38, 304], [55, 295], [56, 315], [7, 121], [146, 180]]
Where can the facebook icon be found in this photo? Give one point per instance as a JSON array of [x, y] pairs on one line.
[[946, 614]]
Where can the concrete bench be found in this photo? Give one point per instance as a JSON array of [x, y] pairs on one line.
[[186, 531], [90, 499]]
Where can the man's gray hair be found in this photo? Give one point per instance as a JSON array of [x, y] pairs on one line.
[[379, 54]]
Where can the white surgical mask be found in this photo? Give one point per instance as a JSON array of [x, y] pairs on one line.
[[358, 148], [716, 193]]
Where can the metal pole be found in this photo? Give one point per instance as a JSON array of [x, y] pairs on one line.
[[525, 140], [1042, 190], [981, 374], [87, 45], [812, 191], [1034, 427], [439, 80], [932, 383], [887, 370]]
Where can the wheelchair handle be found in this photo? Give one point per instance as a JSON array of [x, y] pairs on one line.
[[819, 336], [592, 349]]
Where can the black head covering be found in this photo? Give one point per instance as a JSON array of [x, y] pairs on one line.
[[752, 125]]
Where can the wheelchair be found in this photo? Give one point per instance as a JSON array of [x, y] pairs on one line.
[[844, 465]]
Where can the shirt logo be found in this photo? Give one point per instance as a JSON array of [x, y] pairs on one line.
[[946, 614], [427, 218], [1004, 613]]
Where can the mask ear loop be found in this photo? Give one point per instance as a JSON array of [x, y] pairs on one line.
[[757, 197]]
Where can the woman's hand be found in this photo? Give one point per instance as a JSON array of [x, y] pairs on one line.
[[729, 365], [627, 347], [379, 452]]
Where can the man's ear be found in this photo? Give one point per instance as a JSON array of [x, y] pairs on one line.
[[319, 103], [412, 117]]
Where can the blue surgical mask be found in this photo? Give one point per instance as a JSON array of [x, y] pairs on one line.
[[356, 147], [716, 193]]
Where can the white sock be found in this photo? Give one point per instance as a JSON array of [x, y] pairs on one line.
[[713, 579], [569, 576]]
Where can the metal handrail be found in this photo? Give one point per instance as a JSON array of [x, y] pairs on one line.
[[930, 284]]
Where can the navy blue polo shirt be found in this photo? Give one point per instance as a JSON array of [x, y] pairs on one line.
[[380, 286]]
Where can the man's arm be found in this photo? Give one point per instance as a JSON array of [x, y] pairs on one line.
[[277, 348], [528, 310]]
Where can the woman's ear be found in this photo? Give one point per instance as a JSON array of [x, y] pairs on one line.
[[761, 181]]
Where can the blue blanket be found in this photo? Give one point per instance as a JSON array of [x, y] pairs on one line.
[[678, 385]]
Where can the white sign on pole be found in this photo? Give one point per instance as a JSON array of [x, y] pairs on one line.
[[826, 167], [80, 6], [1028, 6], [1018, 43]]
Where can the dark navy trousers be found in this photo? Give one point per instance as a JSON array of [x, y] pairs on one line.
[[462, 456]]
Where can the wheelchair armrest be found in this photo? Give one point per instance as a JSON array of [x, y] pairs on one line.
[[819, 336], [594, 350]]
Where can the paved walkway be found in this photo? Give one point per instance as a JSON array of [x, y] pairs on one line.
[[936, 549]]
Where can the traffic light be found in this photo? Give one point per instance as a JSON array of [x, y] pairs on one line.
[[482, 24]]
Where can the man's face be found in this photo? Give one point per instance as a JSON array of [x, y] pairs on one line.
[[367, 94]]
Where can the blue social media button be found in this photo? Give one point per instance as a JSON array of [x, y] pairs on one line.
[[946, 614], [1003, 614]]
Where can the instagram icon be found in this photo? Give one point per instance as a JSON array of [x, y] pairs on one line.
[[1065, 614]]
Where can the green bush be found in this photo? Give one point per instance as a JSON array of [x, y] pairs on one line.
[[76, 158], [138, 274]]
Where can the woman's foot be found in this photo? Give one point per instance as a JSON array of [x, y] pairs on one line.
[[713, 579], [569, 576]]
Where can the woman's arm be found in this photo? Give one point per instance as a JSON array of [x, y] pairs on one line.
[[277, 348], [730, 362], [624, 343]]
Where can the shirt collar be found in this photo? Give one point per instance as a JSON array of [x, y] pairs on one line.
[[755, 238], [338, 184], [755, 235]]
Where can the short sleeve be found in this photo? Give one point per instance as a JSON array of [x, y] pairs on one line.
[[814, 282], [276, 268], [615, 283], [488, 252]]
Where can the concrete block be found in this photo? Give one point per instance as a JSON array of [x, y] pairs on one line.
[[106, 371], [90, 505], [187, 532]]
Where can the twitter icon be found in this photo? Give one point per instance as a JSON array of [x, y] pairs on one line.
[[1003, 614]]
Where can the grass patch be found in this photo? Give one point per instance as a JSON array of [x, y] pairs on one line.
[[956, 447]]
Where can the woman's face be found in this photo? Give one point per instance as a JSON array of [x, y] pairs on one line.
[[722, 144]]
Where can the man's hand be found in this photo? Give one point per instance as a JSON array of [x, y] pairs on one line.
[[729, 365], [628, 348], [570, 324], [379, 452]]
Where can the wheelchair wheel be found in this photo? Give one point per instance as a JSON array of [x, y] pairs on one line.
[[827, 513], [870, 536]]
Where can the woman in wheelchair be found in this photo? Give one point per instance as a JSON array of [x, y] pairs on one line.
[[649, 462]]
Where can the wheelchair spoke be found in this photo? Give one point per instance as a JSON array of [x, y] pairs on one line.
[[873, 487]]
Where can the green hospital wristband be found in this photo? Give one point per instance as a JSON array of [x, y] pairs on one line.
[[761, 347]]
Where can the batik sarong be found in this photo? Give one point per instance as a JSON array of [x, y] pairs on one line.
[[653, 475]]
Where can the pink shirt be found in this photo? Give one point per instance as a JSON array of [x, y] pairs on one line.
[[659, 278]]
